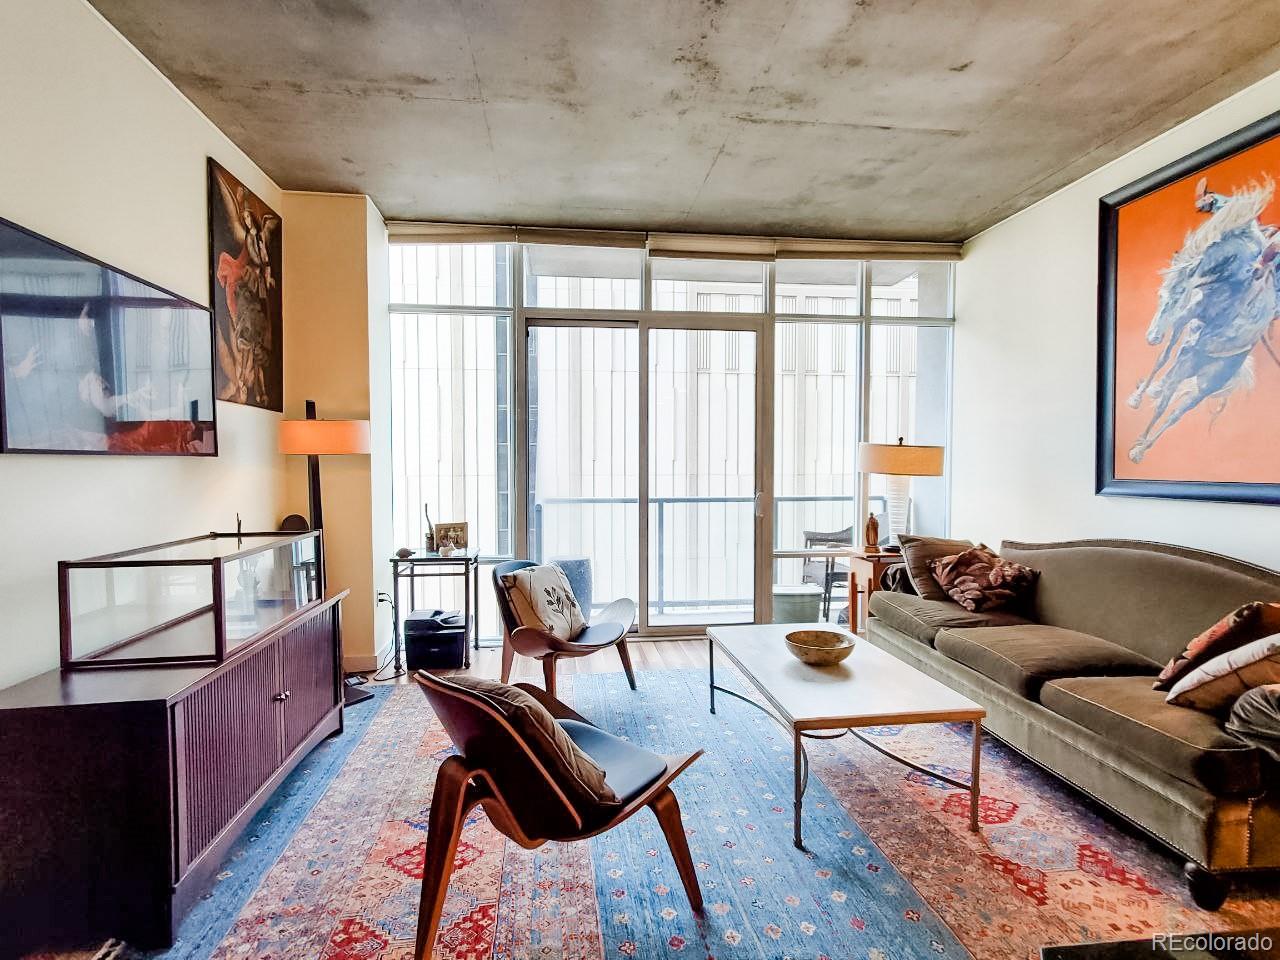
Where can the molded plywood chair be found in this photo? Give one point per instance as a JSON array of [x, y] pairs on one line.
[[609, 629], [513, 760]]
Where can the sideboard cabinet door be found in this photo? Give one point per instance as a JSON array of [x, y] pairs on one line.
[[226, 745], [310, 670]]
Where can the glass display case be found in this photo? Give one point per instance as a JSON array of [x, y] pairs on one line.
[[191, 601]]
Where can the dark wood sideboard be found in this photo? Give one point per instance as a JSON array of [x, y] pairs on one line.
[[121, 789]]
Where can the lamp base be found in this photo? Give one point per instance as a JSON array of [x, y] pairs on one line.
[[351, 695]]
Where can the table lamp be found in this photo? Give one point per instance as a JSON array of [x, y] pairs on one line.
[[317, 438], [899, 462]]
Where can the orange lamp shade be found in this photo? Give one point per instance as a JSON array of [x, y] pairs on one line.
[[324, 436], [900, 459]]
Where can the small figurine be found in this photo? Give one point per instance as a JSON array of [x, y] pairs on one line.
[[404, 553], [871, 534]]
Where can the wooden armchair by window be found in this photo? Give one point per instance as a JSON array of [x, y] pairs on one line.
[[609, 629], [541, 772]]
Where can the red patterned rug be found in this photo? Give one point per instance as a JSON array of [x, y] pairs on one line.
[[892, 873]]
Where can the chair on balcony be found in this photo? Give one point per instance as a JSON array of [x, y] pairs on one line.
[[541, 772], [609, 630], [826, 572]]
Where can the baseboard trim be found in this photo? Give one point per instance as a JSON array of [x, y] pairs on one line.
[[365, 662]]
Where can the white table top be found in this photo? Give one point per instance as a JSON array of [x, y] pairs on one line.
[[870, 688]]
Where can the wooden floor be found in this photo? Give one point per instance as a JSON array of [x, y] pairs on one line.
[[645, 655]]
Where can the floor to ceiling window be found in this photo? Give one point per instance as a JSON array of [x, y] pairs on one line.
[[599, 405]]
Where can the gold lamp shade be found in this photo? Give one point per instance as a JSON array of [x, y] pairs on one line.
[[900, 459], [324, 437]]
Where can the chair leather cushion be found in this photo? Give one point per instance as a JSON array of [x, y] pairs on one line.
[[628, 769], [599, 635], [1024, 658], [1187, 744], [582, 778], [921, 619]]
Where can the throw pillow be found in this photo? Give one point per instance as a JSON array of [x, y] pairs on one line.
[[1243, 625], [919, 552], [1255, 719], [1214, 686], [978, 579], [542, 598], [579, 775]]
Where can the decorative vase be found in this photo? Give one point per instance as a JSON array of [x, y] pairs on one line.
[[429, 538]]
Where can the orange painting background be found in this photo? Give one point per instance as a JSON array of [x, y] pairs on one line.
[[1241, 445]]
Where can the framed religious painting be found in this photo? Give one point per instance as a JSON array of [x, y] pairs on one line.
[[1188, 296], [245, 254]]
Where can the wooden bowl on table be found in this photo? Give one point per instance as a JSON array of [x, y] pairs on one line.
[[820, 648]]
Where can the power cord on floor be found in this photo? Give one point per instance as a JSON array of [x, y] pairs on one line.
[[384, 597]]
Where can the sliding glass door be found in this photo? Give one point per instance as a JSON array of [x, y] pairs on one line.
[[641, 465], [702, 473], [583, 463]]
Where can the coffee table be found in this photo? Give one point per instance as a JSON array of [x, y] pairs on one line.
[[871, 688]]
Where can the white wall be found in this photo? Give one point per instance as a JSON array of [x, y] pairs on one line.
[[1025, 354], [102, 153]]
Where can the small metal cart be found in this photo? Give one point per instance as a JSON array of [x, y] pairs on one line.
[[422, 566]]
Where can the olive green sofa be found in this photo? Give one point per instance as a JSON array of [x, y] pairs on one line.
[[1067, 682]]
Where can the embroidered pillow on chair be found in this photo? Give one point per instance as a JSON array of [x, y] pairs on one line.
[[542, 598]]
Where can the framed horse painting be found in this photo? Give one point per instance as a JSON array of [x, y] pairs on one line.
[[1188, 295]]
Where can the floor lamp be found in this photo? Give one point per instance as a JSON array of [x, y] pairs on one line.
[[900, 462], [317, 438]]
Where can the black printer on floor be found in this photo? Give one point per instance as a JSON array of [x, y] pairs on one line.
[[434, 639]]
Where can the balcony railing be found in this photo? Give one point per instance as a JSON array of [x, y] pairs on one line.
[[731, 545]]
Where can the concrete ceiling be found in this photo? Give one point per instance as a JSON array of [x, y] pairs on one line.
[[925, 120]]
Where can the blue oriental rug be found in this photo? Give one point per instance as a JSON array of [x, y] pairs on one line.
[[331, 869]]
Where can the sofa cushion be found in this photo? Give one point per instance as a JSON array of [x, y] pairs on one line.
[[978, 579], [918, 552], [1242, 626], [921, 619], [1187, 744], [1024, 658], [1149, 597], [1214, 686]]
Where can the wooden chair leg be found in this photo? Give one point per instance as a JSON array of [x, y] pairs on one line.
[[625, 656], [667, 809], [452, 799], [508, 657], [549, 674]]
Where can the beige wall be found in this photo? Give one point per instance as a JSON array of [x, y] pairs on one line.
[[1025, 355], [335, 262], [100, 152]]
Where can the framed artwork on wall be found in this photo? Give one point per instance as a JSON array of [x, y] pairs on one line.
[[245, 254], [96, 360], [1188, 295]]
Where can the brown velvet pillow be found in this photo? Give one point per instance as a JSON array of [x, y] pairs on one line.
[[978, 579], [576, 773], [919, 552], [1243, 625]]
